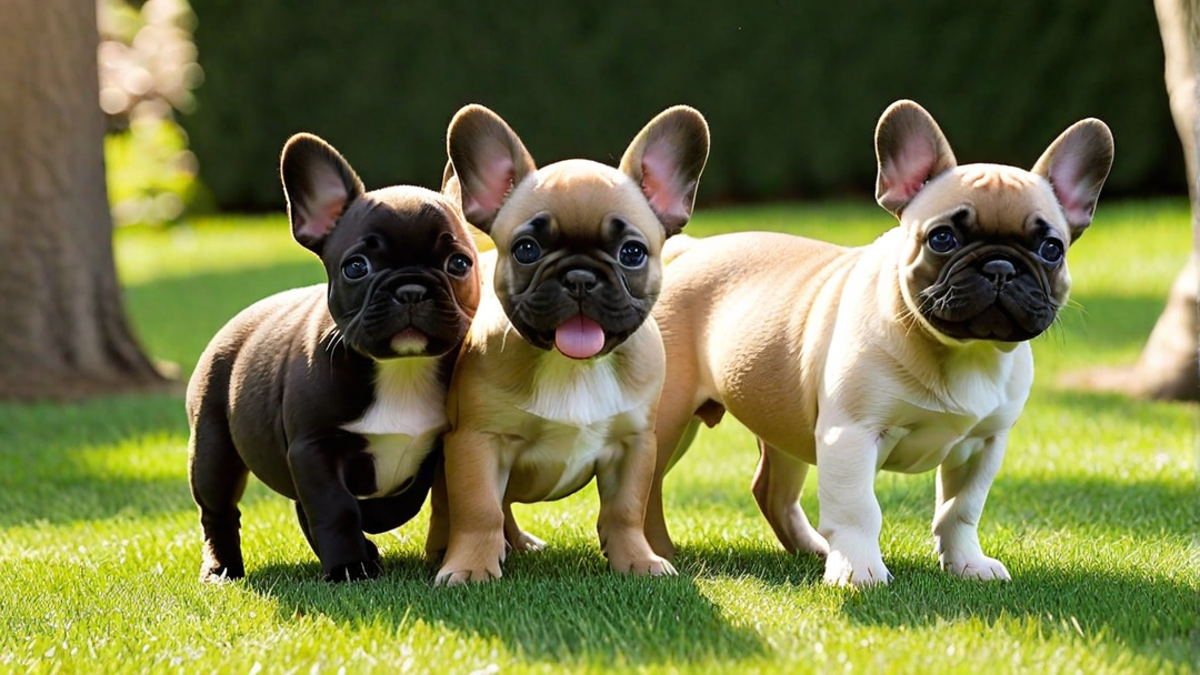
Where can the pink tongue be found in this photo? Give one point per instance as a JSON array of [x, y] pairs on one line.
[[579, 338]]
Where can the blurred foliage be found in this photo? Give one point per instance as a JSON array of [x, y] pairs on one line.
[[148, 69], [792, 90]]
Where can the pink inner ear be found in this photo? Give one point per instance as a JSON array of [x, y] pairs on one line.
[[321, 211], [1066, 177], [660, 183], [905, 172], [492, 182]]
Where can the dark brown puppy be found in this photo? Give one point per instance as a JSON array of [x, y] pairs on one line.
[[334, 395]]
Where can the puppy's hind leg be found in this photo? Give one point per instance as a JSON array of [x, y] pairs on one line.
[[777, 486], [518, 539], [218, 479]]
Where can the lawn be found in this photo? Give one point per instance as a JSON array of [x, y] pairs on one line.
[[1095, 513]]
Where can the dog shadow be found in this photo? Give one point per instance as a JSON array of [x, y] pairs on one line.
[[1155, 618], [559, 605]]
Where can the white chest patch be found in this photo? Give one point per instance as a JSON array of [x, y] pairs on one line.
[[576, 393], [571, 453], [408, 414]]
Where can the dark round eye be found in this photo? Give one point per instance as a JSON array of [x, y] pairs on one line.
[[458, 265], [356, 267], [526, 251], [1050, 250], [942, 240], [633, 254]]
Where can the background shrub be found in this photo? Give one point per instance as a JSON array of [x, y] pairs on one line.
[[791, 89]]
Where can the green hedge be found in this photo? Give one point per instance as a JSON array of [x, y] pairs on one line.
[[791, 89]]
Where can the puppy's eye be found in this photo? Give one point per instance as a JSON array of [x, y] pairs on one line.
[[356, 267], [526, 251], [1050, 250], [633, 254], [458, 265], [942, 240]]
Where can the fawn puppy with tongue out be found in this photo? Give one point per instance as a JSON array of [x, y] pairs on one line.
[[560, 374]]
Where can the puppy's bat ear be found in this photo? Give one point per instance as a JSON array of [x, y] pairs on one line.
[[911, 149], [451, 188], [666, 159], [488, 159], [1076, 164], [318, 184]]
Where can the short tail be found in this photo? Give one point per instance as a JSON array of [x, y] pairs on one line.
[[677, 246]]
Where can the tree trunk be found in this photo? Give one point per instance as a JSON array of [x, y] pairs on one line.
[[1168, 367], [64, 329]]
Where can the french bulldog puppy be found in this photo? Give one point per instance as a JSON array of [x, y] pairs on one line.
[[334, 395], [559, 375], [907, 354]]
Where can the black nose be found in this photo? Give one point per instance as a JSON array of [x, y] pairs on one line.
[[999, 271], [410, 293], [579, 282]]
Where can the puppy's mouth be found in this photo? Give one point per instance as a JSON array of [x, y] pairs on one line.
[[579, 338], [410, 342], [983, 296]]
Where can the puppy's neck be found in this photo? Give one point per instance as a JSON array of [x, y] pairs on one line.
[[578, 393], [410, 396]]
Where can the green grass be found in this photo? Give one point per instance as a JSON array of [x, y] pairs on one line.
[[1096, 514]]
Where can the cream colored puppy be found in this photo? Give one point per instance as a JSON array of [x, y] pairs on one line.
[[560, 373], [908, 354]]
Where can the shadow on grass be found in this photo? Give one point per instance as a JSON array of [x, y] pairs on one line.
[[1144, 509], [558, 605], [1154, 617], [66, 463], [1159, 618]]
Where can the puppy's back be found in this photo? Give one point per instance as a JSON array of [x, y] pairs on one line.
[[242, 349]]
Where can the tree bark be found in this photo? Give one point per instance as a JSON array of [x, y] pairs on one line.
[[1168, 367], [64, 329]]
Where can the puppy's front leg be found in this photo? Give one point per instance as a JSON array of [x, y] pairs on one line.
[[961, 493], [474, 480], [850, 516], [334, 521], [624, 486]]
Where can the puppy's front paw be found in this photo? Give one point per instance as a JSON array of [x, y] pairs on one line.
[[840, 570], [527, 543], [355, 571], [981, 568], [453, 573], [220, 574], [651, 565]]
